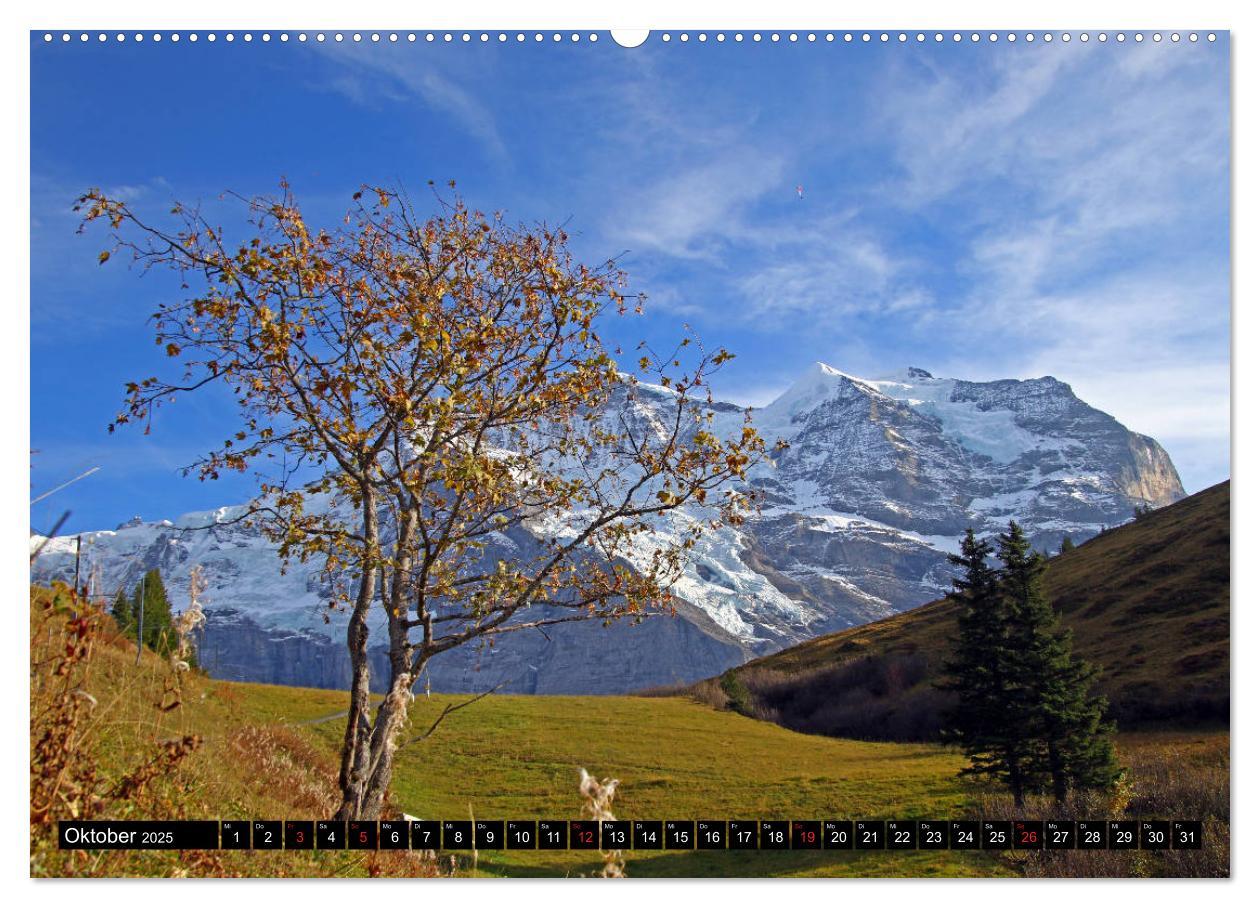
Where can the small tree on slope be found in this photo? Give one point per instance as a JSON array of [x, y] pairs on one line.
[[992, 721], [124, 612], [1074, 741], [151, 596]]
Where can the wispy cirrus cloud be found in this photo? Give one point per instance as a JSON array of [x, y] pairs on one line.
[[373, 74]]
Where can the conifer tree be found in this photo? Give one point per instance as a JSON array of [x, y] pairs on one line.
[[158, 634], [991, 721], [1053, 691], [124, 612]]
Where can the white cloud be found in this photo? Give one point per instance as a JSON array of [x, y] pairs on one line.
[[698, 212], [377, 72], [1091, 188]]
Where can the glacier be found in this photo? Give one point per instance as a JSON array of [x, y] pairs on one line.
[[880, 478]]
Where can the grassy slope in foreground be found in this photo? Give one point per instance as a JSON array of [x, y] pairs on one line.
[[517, 757], [1147, 601], [264, 753]]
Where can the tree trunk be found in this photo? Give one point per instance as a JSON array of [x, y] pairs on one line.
[[373, 759], [355, 751], [390, 719], [1057, 772]]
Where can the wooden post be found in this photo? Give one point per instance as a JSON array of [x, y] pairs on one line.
[[140, 621], [78, 545]]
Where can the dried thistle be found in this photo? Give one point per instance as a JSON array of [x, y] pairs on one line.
[[188, 621], [597, 798]]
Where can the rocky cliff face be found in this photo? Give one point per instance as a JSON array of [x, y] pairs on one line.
[[880, 479]]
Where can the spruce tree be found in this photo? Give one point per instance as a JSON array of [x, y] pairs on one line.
[[124, 612], [991, 722], [1073, 743], [158, 633]]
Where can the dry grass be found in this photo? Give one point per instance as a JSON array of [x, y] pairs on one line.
[[72, 718], [125, 733], [111, 739], [1168, 776]]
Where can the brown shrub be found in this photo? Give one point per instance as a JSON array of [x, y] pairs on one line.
[[67, 780], [1180, 779]]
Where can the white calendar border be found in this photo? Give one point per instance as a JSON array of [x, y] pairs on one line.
[[1089, 15]]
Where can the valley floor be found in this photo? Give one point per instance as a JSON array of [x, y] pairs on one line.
[[270, 753]]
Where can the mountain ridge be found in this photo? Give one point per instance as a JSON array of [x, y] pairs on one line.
[[879, 478], [1148, 602]]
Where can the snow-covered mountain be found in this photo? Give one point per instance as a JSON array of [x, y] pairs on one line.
[[880, 478]]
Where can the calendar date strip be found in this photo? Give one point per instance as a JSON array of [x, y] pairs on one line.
[[632, 835]]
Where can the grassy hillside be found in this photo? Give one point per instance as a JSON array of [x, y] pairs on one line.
[[111, 739], [1147, 601], [251, 751]]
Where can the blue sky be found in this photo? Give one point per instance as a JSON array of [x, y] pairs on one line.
[[981, 211]]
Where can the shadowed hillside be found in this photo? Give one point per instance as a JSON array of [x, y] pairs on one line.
[[1147, 601]]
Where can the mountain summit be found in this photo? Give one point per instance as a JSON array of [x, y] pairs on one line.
[[880, 478], [936, 455]]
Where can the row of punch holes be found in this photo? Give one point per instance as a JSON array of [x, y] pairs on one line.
[[664, 37]]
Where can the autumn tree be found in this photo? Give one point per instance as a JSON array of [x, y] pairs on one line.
[[410, 389]]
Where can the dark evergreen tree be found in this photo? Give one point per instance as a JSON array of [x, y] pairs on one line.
[[159, 636], [991, 721], [124, 612], [1067, 545], [1052, 694]]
